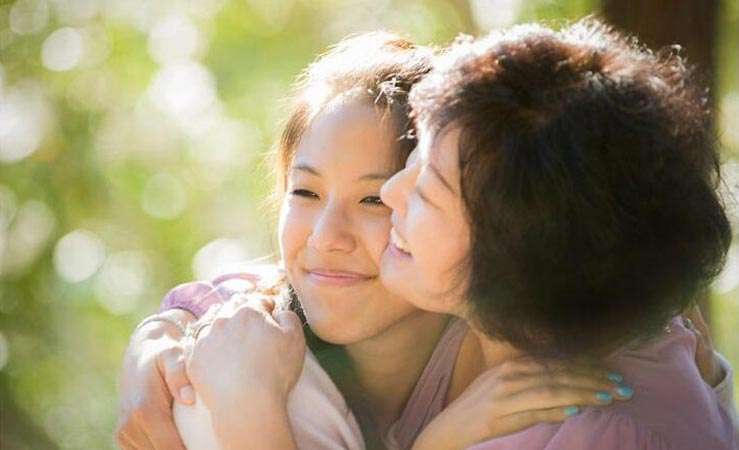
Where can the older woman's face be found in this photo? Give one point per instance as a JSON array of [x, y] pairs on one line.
[[334, 227], [430, 237]]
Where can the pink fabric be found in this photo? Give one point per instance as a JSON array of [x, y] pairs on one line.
[[198, 296], [672, 407], [429, 396]]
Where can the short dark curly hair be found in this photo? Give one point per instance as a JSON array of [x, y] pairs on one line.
[[589, 172]]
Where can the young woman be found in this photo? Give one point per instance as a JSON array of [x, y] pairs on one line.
[[573, 177]]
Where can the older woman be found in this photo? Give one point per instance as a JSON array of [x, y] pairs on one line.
[[563, 200]]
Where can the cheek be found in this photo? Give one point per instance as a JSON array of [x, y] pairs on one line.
[[438, 241], [294, 229], [375, 233]]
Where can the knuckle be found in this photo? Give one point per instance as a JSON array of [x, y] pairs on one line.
[[507, 367], [246, 312], [548, 392]]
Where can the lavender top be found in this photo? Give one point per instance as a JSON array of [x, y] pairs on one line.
[[672, 408]]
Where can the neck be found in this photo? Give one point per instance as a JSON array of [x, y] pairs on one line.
[[477, 353], [389, 364], [495, 352]]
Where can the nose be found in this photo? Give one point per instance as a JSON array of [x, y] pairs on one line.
[[332, 231], [395, 191]]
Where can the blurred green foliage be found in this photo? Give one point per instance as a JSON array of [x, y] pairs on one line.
[[131, 141]]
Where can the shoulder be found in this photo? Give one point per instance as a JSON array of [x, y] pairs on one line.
[[592, 429]]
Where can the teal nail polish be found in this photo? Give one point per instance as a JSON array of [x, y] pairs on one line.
[[571, 410], [624, 391], [616, 377], [603, 396]]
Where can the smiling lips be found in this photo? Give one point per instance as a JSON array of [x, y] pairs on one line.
[[336, 277], [397, 241]]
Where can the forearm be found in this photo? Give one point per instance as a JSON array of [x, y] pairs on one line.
[[265, 426]]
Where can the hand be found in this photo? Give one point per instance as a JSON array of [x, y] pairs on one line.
[[153, 374], [515, 395], [705, 357], [247, 355]]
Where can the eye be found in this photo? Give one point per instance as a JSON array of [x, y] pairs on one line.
[[373, 200], [304, 193]]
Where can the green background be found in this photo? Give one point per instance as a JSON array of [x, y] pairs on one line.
[[132, 136]]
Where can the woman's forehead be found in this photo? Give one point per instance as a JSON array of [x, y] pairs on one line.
[[350, 136], [441, 149]]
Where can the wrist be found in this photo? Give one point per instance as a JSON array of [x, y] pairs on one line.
[[261, 425], [256, 397]]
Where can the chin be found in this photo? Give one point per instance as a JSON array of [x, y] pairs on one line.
[[333, 332]]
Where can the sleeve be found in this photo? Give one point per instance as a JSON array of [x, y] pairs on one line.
[[725, 390], [198, 296], [195, 296]]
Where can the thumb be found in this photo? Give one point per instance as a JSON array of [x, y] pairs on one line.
[[289, 321]]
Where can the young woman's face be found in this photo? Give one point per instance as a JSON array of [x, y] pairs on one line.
[[425, 260], [334, 227]]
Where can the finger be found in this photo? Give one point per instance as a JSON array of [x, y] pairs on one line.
[[561, 378], [525, 419], [581, 375], [175, 377], [261, 303], [546, 397], [127, 442], [163, 433], [699, 326], [135, 435]]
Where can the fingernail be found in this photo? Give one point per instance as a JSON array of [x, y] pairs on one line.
[[571, 410], [615, 377], [187, 394], [624, 391], [603, 396]]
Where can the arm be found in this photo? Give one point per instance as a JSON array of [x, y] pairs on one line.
[[265, 426], [153, 372], [714, 368], [151, 375], [725, 389], [515, 395]]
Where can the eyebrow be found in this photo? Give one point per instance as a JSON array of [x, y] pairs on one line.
[[374, 176]]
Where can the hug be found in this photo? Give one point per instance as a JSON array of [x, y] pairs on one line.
[[489, 246]]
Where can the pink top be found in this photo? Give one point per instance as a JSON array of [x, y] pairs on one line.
[[672, 408]]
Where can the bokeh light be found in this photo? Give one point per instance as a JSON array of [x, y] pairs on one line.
[[63, 49], [133, 136], [78, 255]]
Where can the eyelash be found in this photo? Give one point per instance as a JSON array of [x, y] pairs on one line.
[[376, 201], [304, 193], [373, 200]]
